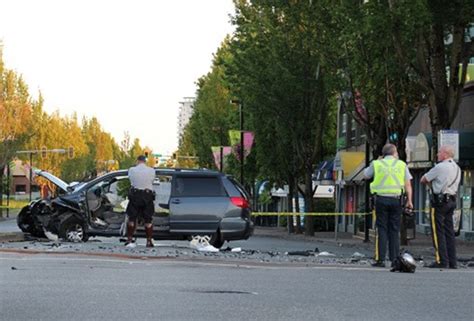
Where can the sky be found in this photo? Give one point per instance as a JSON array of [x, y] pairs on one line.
[[127, 62]]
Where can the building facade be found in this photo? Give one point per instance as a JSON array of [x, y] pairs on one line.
[[349, 163], [186, 109]]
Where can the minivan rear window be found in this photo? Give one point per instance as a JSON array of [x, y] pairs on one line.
[[239, 187], [198, 186]]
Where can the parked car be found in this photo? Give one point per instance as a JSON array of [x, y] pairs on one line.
[[188, 202]]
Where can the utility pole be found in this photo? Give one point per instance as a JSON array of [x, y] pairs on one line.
[[367, 195], [241, 116], [241, 144]]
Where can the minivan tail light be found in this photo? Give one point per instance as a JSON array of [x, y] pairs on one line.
[[240, 202]]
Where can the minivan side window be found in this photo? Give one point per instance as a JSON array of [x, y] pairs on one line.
[[198, 186]]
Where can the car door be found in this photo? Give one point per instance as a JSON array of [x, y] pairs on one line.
[[105, 202], [197, 203]]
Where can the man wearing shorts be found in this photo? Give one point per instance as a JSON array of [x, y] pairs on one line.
[[141, 197]]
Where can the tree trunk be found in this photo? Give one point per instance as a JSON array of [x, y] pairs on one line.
[[308, 198], [290, 226], [2, 170], [297, 207]]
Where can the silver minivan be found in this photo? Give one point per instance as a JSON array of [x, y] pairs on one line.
[[188, 202]]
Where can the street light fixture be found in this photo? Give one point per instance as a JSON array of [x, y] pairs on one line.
[[241, 116]]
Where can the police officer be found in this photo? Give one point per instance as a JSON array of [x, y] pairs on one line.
[[391, 178], [141, 197], [444, 179]]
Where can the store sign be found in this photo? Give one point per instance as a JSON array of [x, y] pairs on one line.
[[449, 137]]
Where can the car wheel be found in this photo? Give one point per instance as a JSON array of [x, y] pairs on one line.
[[26, 224], [73, 230]]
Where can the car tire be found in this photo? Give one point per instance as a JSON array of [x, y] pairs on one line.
[[73, 230], [216, 240], [26, 224]]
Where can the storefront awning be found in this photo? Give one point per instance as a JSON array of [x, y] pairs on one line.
[[324, 191], [323, 174], [420, 156], [350, 163]]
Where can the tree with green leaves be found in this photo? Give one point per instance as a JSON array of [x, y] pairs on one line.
[[434, 39], [279, 73], [213, 115], [15, 117], [384, 96]]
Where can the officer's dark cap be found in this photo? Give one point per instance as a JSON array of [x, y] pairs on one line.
[[141, 158]]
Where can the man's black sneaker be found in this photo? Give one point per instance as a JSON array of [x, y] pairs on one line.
[[453, 267], [378, 264], [436, 265]]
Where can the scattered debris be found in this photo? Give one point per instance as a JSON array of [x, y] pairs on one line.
[[301, 253], [357, 255], [325, 253], [51, 236], [237, 249]]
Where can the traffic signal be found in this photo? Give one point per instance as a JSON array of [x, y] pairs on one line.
[[146, 154], [43, 152], [70, 152], [174, 155]]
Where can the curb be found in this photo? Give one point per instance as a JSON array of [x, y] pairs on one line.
[[12, 237]]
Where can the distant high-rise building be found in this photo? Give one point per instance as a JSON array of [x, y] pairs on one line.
[[186, 110]]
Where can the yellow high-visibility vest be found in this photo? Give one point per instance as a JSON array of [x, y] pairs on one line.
[[389, 177]]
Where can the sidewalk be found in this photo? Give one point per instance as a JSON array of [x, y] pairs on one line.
[[421, 246]]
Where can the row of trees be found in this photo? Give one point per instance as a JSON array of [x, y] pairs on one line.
[[24, 125], [291, 62]]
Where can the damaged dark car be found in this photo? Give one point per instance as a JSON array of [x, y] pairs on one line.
[[187, 203]]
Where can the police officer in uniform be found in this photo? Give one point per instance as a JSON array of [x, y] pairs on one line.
[[444, 179], [141, 197], [391, 179]]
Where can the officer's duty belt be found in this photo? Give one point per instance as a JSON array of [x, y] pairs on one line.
[[389, 196], [146, 190]]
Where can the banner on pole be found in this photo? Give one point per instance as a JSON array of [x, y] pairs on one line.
[[216, 152], [234, 136]]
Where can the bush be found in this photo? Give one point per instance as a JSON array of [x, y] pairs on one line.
[[324, 223]]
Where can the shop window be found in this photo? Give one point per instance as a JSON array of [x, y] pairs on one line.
[[20, 188], [344, 124]]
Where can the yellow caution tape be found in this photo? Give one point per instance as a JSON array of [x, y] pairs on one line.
[[307, 214], [427, 211]]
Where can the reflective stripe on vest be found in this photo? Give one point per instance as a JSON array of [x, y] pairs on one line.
[[389, 177]]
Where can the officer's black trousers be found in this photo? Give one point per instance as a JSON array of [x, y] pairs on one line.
[[388, 211], [442, 230]]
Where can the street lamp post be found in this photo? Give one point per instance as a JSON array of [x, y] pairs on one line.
[[221, 149], [241, 116], [31, 172]]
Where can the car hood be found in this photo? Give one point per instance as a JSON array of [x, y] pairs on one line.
[[53, 179]]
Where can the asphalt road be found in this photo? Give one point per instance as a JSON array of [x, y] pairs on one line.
[[50, 287], [255, 243]]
